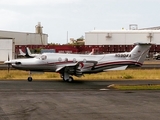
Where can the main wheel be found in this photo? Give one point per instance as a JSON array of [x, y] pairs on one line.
[[70, 79], [64, 79], [29, 79]]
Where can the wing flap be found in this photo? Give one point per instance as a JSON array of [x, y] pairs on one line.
[[59, 69], [71, 68]]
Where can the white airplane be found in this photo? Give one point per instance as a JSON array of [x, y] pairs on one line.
[[78, 64], [28, 53], [21, 53], [31, 55]]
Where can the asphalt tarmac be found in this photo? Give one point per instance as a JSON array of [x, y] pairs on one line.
[[81, 100]]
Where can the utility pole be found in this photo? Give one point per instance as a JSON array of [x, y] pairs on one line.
[[67, 37]]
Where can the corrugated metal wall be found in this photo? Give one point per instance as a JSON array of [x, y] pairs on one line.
[[122, 37], [22, 38], [7, 48]]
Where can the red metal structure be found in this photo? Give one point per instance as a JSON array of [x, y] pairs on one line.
[[84, 49]]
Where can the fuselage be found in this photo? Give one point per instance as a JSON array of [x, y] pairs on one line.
[[88, 63]]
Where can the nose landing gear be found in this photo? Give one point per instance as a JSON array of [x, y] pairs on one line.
[[30, 78]]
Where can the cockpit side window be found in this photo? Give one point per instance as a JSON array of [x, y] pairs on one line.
[[43, 57]]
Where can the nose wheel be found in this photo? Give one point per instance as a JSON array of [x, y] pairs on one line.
[[30, 78]]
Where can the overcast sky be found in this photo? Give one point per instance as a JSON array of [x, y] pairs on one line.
[[76, 16]]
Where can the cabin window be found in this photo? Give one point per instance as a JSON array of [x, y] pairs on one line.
[[66, 59], [74, 60], [60, 59]]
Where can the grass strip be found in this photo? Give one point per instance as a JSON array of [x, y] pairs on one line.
[[130, 74], [135, 87]]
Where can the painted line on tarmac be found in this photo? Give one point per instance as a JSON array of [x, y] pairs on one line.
[[103, 89]]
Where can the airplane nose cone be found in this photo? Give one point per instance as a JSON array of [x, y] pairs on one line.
[[9, 62]]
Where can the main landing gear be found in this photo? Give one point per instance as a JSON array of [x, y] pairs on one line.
[[70, 79], [67, 79]]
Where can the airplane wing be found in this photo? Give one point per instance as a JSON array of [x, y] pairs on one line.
[[75, 68], [59, 69]]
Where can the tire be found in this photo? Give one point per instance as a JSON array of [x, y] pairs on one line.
[[29, 79], [70, 79], [65, 80]]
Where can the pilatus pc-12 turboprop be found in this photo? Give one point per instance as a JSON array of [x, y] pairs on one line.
[[69, 65]]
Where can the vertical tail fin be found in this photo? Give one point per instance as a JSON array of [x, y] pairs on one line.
[[140, 52], [21, 53], [28, 53], [91, 53]]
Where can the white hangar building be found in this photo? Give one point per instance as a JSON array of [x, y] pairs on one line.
[[8, 40], [121, 37], [23, 38], [26, 38]]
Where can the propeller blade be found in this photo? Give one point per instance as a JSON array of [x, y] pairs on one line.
[[8, 57]]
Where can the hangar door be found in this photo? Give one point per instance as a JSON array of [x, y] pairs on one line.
[[6, 49]]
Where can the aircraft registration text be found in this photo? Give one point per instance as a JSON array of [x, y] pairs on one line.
[[122, 55]]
